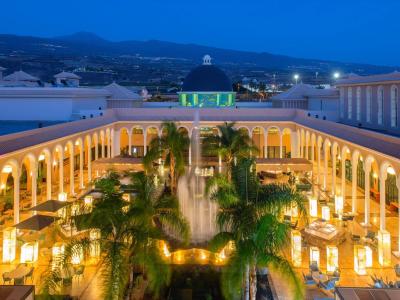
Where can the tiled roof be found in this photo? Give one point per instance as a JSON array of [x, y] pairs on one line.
[[304, 91], [20, 76]]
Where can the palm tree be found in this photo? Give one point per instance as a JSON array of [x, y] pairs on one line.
[[129, 236], [250, 217], [172, 145], [231, 144]]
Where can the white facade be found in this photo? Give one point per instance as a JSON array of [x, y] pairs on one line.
[[51, 104]]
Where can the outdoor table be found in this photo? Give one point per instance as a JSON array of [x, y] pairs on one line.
[[319, 277], [19, 273]]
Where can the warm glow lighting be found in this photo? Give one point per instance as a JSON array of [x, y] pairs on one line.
[[360, 260], [368, 257], [295, 211], [9, 244], [41, 157], [62, 196], [126, 197], [296, 248], [7, 169], [77, 143], [391, 171], [29, 252], [77, 256], [94, 236], [332, 258], [325, 213], [313, 207], [2, 186], [384, 248], [88, 200], [57, 253], [338, 204], [314, 255], [54, 163]]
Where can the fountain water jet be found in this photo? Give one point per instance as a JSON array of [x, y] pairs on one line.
[[194, 203]]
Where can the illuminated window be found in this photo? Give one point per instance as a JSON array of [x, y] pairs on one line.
[[349, 103], [380, 105], [369, 104], [394, 103]]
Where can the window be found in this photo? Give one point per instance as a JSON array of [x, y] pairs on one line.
[[394, 104], [380, 105], [369, 104], [349, 103], [341, 102], [358, 104]]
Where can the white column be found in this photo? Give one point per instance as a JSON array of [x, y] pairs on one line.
[[398, 211], [71, 170], [109, 145], [382, 200], [129, 142], [318, 164], [34, 184], [89, 163], [81, 186], [343, 167], [265, 143], [280, 144], [96, 149], [312, 152], [301, 145], [219, 163], [334, 152], [306, 152], [103, 147], [367, 170], [48, 177], [190, 154], [16, 176], [354, 185], [325, 185], [144, 142], [61, 171]]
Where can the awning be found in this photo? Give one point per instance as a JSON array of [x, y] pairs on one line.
[[50, 206], [283, 164], [37, 222]]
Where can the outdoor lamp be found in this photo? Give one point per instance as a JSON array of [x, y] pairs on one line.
[[29, 252], [384, 248], [9, 244], [325, 213], [314, 255], [313, 207], [360, 259], [296, 248], [332, 258]]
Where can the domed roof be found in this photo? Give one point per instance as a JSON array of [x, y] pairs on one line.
[[207, 78]]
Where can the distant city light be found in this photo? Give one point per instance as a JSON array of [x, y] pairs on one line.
[[296, 77], [336, 75]]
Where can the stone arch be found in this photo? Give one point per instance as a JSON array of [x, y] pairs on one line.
[[287, 142], [258, 139], [124, 141], [274, 142]]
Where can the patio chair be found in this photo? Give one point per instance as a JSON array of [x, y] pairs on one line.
[[19, 280], [308, 280], [355, 238], [397, 270], [78, 272], [6, 277], [327, 286], [314, 267], [29, 275], [370, 235]]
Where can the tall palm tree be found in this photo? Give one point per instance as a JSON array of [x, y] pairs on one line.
[[250, 216], [172, 145], [129, 235], [230, 144]]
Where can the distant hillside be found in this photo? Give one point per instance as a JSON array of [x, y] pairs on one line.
[[88, 44]]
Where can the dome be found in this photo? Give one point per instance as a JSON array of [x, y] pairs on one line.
[[207, 78]]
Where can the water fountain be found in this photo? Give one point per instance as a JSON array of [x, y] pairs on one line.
[[195, 205]]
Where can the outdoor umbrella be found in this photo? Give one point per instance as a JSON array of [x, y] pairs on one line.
[[37, 222], [50, 206]]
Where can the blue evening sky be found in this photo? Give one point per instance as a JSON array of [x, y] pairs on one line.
[[366, 31]]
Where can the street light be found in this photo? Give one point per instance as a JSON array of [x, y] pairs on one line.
[[296, 77], [336, 75]]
